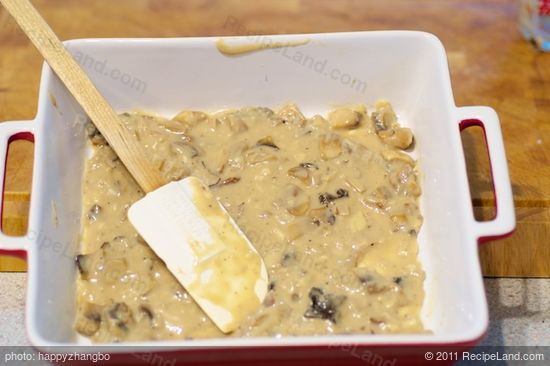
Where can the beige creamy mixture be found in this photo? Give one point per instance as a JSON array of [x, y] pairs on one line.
[[330, 204]]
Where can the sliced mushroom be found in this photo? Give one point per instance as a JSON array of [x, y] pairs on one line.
[[392, 155], [119, 319], [291, 114], [302, 174], [260, 154], [384, 117], [89, 320], [175, 127], [146, 311], [330, 146], [267, 141], [344, 118], [184, 148], [191, 118], [401, 138], [294, 200], [236, 123], [387, 127]]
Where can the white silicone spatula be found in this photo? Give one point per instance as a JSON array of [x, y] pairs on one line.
[[182, 221]]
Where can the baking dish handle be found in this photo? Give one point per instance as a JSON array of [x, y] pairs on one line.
[[504, 221], [11, 131]]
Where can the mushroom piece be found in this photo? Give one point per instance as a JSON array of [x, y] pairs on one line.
[[330, 146], [323, 306], [94, 212], [175, 127], [119, 318], [400, 137], [184, 148], [260, 154], [393, 155], [89, 320], [327, 198], [403, 179], [294, 200], [291, 114], [267, 141], [190, 118], [236, 124], [387, 127], [84, 264], [344, 118], [302, 174], [373, 281], [146, 311], [96, 138]]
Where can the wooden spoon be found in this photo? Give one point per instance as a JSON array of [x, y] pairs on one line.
[[182, 221]]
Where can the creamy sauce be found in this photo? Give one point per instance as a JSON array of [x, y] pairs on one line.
[[232, 50], [330, 204]]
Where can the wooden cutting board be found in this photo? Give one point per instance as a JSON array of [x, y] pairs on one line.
[[489, 61]]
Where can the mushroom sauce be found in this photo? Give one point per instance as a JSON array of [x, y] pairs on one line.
[[330, 204]]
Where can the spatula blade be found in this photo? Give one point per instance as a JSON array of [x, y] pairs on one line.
[[204, 249]]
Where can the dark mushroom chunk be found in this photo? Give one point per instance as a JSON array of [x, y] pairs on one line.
[[323, 306], [144, 309], [94, 212], [83, 262], [342, 193], [327, 198], [120, 316]]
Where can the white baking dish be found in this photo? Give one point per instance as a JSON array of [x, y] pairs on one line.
[[167, 75]]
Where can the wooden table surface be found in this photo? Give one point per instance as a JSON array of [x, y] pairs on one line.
[[490, 65]]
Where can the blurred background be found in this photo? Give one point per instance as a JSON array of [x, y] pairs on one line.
[[490, 63]]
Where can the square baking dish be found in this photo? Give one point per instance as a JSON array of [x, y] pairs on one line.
[[168, 75]]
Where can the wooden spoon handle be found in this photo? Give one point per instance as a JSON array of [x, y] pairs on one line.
[[87, 95]]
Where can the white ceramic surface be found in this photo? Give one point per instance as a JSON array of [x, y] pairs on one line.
[[167, 75]]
